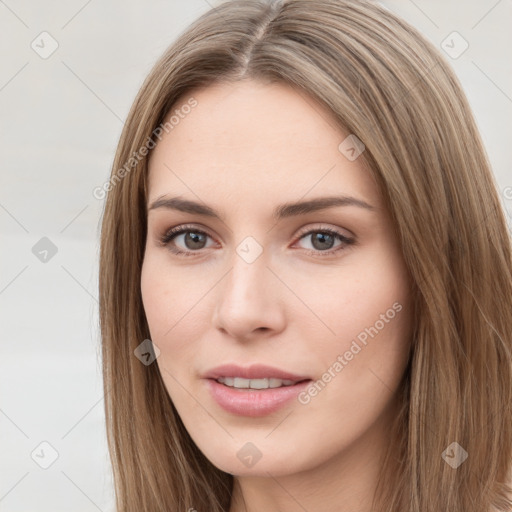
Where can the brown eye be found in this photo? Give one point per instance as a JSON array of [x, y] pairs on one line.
[[193, 240], [185, 240]]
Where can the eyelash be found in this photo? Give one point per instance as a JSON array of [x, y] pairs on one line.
[[167, 238]]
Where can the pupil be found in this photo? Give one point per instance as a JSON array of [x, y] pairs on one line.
[[196, 239], [320, 238]]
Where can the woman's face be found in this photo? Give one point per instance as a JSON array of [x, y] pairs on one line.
[[273, 282]]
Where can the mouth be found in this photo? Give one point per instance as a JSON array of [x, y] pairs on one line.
[[253, 391], [265, 383]]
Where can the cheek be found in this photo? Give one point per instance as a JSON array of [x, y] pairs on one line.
[[365, 291], [175, 309], [160, 302], [367, 345], [166, 294], [378, 305]]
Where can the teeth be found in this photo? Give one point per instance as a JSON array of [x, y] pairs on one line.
[[240, 383]]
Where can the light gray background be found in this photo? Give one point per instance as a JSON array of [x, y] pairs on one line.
[[60, 120]]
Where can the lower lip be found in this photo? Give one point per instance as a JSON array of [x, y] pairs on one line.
[[253, 402]]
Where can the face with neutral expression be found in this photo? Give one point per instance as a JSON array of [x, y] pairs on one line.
[[273, 282]]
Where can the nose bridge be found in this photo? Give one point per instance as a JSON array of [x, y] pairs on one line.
[[247, 300], [245, 282]]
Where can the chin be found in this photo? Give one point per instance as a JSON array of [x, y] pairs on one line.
[[254, 459]]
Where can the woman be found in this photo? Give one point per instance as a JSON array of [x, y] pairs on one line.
[[305, 281]]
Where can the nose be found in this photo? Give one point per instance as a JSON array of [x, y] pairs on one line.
[[248, 302]]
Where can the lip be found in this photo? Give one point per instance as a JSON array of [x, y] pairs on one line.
[[253, 402], [255, 371]]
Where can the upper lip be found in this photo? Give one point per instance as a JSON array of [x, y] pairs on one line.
[[255, 371]]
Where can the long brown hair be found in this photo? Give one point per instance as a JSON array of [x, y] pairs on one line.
[[387, 85]]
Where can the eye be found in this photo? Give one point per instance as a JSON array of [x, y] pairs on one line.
[[193, 240], [190, 238], [323, 240]]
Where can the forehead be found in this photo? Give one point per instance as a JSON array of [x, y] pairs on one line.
[[255, 139]]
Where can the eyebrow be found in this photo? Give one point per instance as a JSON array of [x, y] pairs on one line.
[[280, 212]]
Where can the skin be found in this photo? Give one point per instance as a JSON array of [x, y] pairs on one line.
[[244, 149]]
